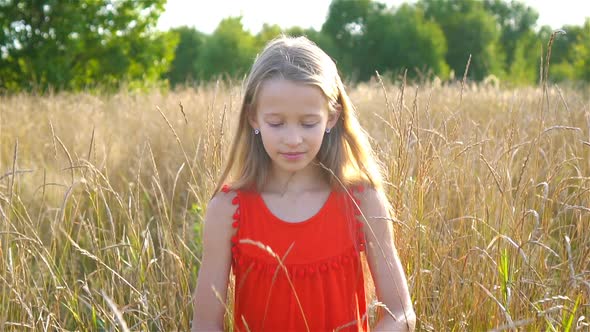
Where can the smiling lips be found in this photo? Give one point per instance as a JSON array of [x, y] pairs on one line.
[[293, 155]]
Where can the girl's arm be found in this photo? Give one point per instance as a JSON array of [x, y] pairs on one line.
[[387, 271], [210, 294]]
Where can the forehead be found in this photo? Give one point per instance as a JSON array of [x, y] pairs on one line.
[[285, 97]]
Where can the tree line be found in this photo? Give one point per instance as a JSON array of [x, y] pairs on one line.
[[108, 44]]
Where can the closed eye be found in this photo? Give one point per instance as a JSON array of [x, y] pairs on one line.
[[305, 125]]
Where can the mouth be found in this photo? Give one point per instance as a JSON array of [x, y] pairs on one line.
[[292, 155]]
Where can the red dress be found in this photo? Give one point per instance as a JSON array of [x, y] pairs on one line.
[[319, 286]]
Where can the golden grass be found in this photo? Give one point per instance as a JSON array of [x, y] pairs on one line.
[[101, 200]]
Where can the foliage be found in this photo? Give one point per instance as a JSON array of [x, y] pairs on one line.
[[518, 40], [369, 37], [183, 68], [570, 53], [413, 43], [106, 44], [346, 24], [229, 51], [80, 44], [470, 31], [581, 53], [268, 33]]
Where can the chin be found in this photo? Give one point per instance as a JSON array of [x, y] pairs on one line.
[[292, 166]]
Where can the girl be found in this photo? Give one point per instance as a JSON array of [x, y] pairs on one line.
[[304, 200]]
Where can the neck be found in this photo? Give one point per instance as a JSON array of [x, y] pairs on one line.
[[309, 178]]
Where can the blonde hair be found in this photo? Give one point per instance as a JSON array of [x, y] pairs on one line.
[[345, 153]]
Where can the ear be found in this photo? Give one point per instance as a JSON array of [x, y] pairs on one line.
[[251, 115], [334, 116]]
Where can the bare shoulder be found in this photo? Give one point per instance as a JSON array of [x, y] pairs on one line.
[[373, 202], [376, 219], [220, 209]]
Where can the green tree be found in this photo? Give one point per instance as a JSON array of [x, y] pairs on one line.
[[515, 19], [368, 36], [230, 50], [518, 39], [324, 41], [183, 68], [269, 32], [469, 29], [76, 44], [346, 26], [408, 41], [525, 60], [266, 34], [563, 51], [581, 56], [296, 31]]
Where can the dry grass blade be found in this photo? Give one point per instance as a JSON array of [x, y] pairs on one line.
[[12, 179], [570, 263], [548, 57], [504, 311], [495, 174], [388, 103], [562, 128], [98, 260], [470, 146], [464, 80], [53, 139], [116, 312], [91, 144], [514, 325], [182, 111], [4, 217], [14, 172], [187, 160], [69, 158]]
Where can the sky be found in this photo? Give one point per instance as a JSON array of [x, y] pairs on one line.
[[204, 15]]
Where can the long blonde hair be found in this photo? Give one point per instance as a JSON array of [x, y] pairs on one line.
[[345, 153]]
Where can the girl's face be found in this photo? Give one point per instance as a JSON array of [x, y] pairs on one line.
[[292, 118]]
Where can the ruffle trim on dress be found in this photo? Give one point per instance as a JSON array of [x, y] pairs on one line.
[[235, 223], [309, 270]]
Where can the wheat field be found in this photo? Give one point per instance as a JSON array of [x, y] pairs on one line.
[[102, 199]]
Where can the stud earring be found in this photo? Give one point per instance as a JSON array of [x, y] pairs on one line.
[[256, 131], [328, 130]]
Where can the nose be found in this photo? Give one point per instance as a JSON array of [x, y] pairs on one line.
[[292, 137]]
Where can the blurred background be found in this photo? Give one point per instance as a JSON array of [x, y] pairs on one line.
[[107, 44]]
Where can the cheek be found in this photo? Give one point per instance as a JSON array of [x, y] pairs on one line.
[[317, 136], [269, 137]]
